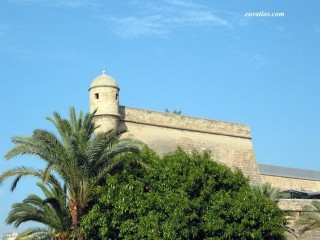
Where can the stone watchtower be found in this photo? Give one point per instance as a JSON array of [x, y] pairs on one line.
[[104, 98]]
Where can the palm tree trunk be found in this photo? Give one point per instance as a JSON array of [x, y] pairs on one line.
[[80, 236], [76, 211]]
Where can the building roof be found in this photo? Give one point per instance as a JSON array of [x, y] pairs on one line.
[[295, 194], [104, 80], [289, 172]]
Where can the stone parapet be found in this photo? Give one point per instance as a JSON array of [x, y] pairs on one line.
[[181, 122]]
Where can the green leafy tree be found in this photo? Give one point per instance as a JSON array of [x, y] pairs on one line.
[[52, 211], [273, 193], [180, 196], [78, 158]]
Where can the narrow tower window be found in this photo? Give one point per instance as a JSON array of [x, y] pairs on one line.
[[117, 96], [96, 95]]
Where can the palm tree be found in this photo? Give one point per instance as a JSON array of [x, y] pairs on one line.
[[267, 190], [309, 218], [77, 157], [52, 212], [39, 234]]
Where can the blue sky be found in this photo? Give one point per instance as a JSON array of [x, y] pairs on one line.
[[202, 57]]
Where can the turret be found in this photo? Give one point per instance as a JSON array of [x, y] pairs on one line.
[[104, 97]]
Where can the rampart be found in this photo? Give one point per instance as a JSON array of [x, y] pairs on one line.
[[230, 143]]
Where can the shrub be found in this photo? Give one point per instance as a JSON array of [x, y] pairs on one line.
[[180, 196]]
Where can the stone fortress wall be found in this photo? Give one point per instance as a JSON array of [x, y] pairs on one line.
[[230, 143]]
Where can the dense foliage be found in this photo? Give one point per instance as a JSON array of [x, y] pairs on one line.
[[180, 196]]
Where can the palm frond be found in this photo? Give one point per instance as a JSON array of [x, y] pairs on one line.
[[267, 190], [18, 173], [35, 234], [51, 211], [310, 218]]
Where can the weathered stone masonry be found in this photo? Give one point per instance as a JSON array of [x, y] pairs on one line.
[[230, 143]]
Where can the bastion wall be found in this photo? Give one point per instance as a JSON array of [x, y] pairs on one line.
[[230, 143]]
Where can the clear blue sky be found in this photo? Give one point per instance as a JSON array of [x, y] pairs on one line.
[[202, 57]]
